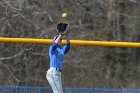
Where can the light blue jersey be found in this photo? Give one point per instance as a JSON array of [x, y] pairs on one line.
[[57, 53]]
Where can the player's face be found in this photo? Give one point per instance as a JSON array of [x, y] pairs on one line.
[[60, 41]]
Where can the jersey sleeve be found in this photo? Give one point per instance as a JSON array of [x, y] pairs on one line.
[[53, 47], [66, 48]]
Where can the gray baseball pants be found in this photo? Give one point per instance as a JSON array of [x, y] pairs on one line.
[[54, 78]]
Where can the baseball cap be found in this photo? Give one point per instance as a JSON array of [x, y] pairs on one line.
[[56, 38]]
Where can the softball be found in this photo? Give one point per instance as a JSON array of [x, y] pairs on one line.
[[64, 15]]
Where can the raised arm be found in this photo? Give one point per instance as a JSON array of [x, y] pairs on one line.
[[67, 46], [56, 41], [68, 38]]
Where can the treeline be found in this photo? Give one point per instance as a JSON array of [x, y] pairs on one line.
[[104, 20]]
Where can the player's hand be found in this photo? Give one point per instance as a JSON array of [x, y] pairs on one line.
[[64, 34]]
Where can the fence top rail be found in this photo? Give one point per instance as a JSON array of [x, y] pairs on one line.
[[73, 42]]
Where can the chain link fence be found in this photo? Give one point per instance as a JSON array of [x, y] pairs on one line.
[[84, 67]]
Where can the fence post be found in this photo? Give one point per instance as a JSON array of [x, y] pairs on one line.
[[39, 91]]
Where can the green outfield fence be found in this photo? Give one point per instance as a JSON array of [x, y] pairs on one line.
[[90, 66]]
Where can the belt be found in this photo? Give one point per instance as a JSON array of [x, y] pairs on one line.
[[58, 69]]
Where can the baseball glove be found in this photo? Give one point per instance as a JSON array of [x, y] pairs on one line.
[[62, 28]]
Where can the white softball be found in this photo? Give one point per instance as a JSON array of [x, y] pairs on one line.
[[64, 15]]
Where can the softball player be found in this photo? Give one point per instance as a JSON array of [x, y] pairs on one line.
[[56, 53]]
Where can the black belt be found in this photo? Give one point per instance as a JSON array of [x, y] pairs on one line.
[[58, 69]]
